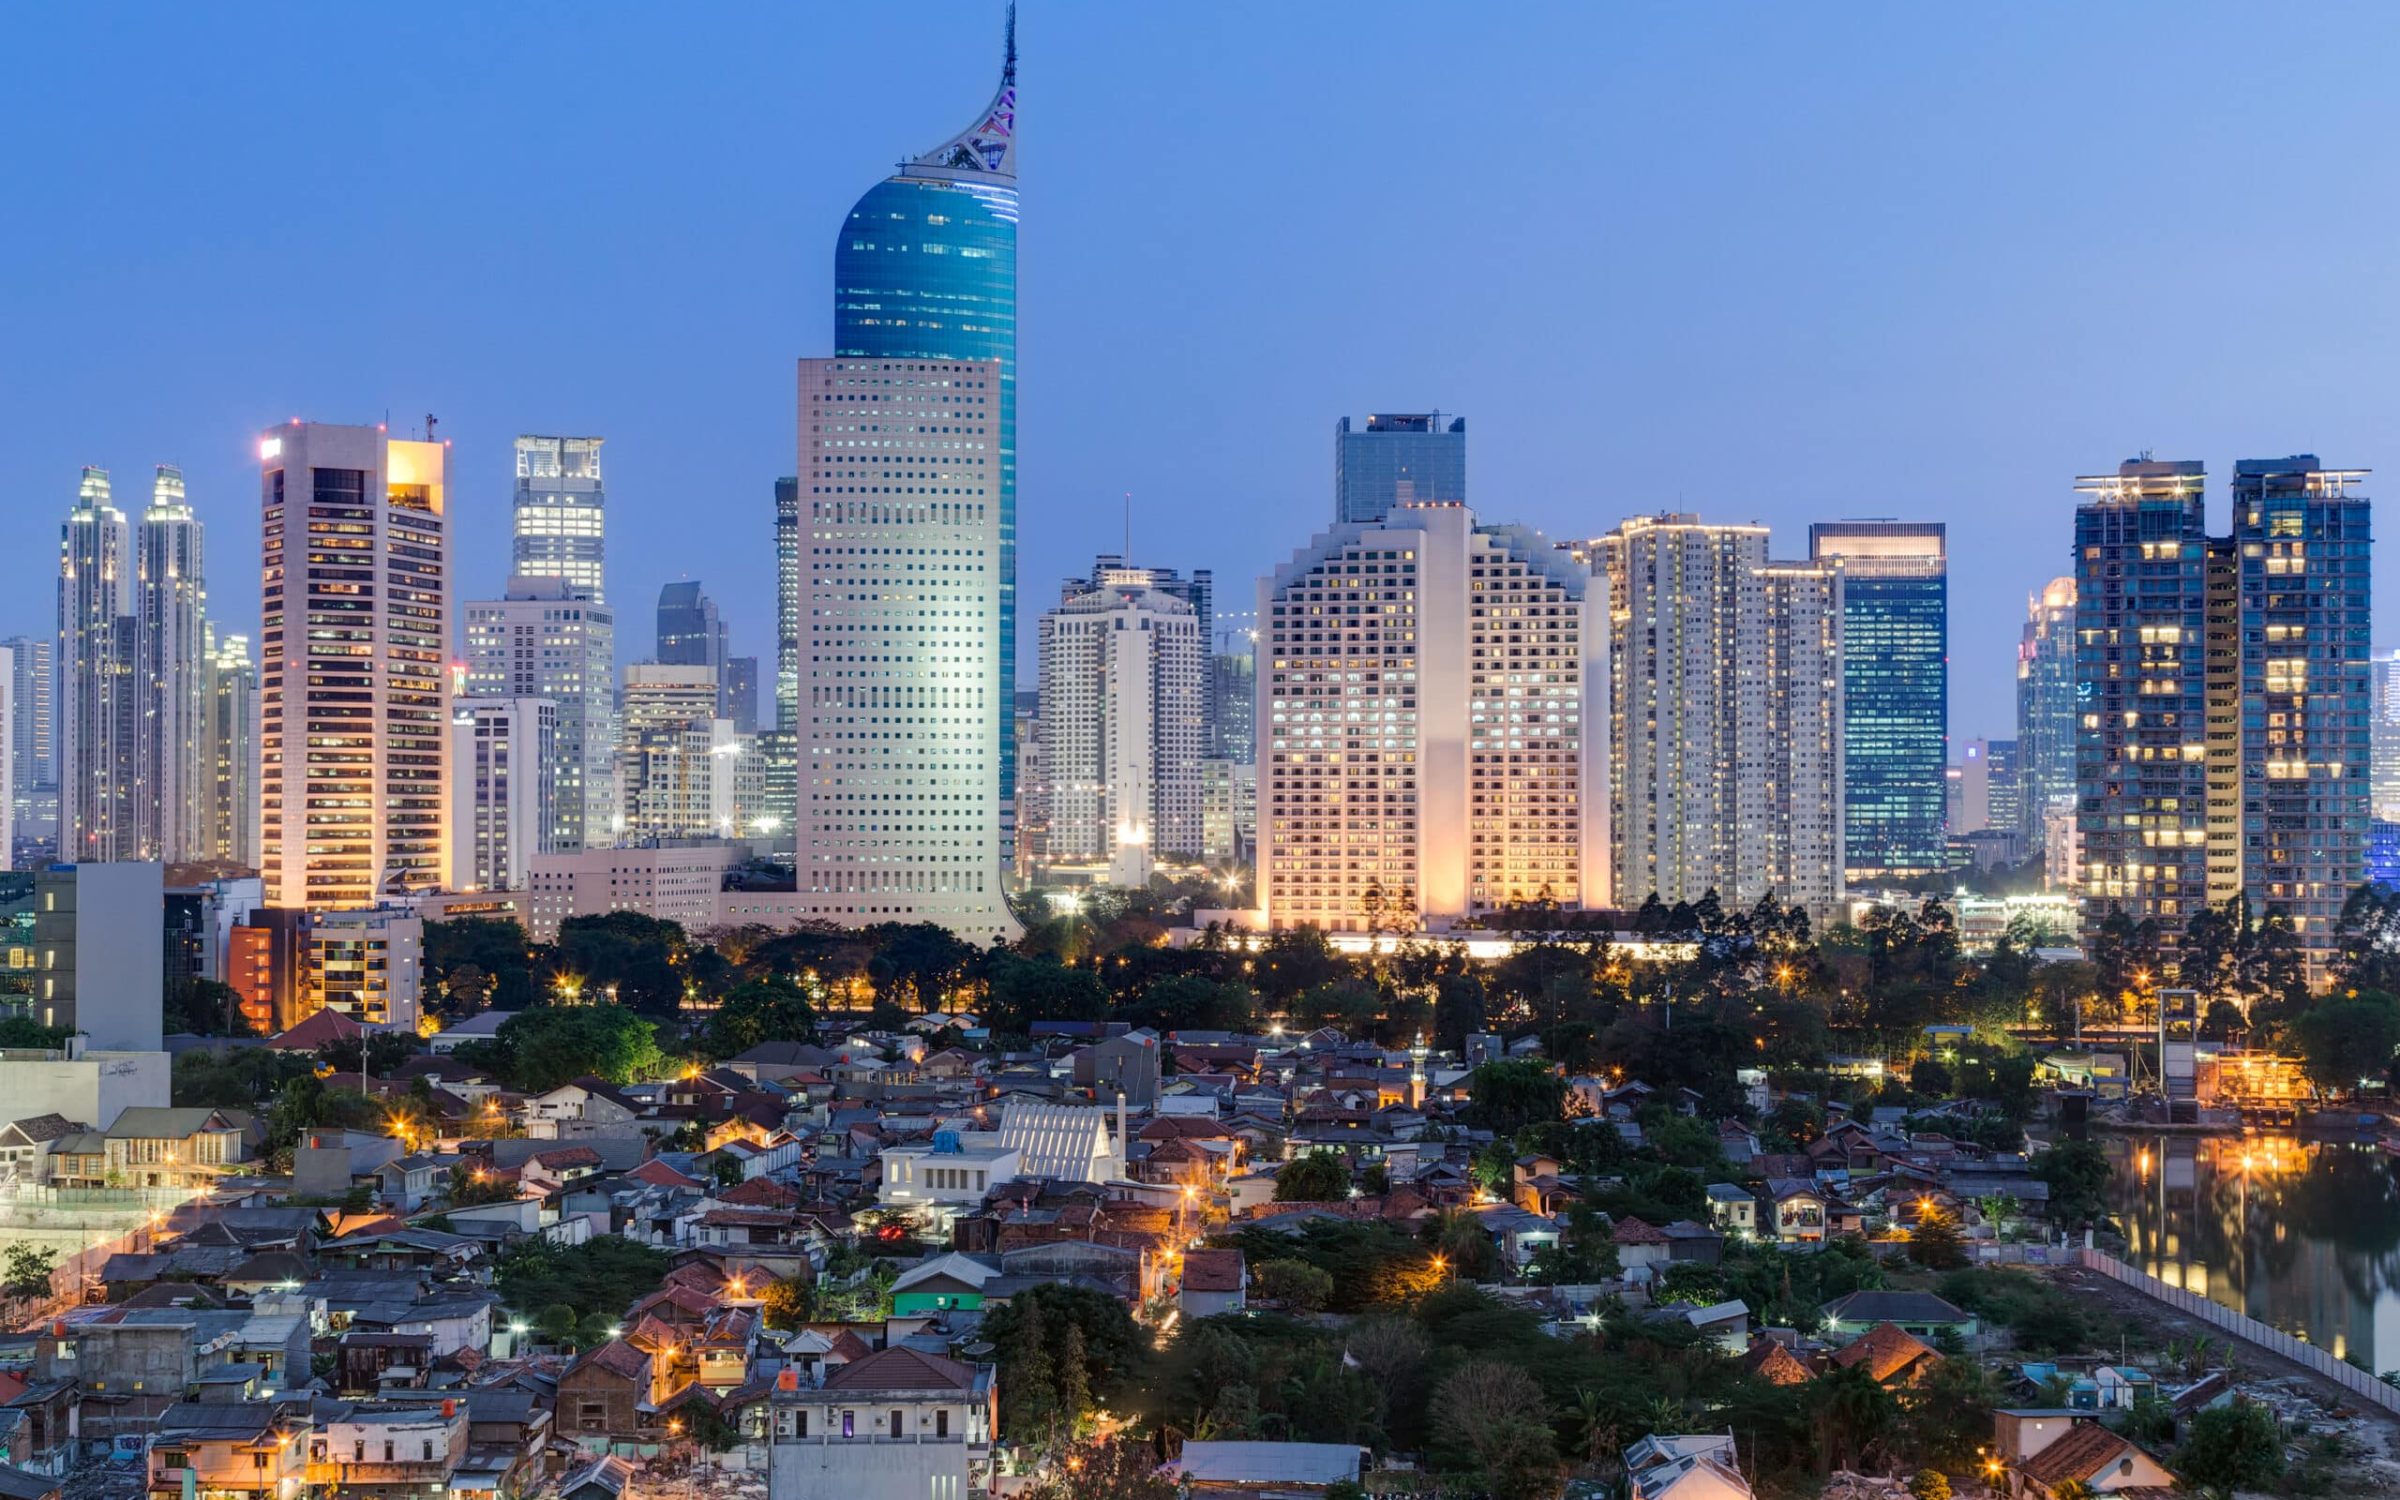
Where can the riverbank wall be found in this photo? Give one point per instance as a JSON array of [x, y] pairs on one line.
[[2360, 1383]]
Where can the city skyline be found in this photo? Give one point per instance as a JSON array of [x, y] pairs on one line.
[[1930, 356]]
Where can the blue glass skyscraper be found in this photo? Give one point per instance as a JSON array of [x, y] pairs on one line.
[[1412, 454], [926, 268], [1895, 692]]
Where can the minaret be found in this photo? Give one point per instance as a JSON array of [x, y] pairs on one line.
[[1416, 1072]]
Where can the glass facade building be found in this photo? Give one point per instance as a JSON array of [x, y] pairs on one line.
[[561, 513], [1406, 455], [926, 268], [2046, 711], [1896, 692]]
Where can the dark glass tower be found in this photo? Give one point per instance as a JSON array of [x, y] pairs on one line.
[[926, 268], [1895, 692]]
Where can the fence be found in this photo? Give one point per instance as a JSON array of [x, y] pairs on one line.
[[2349, 1377]]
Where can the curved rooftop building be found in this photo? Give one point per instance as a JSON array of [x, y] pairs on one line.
[[926, 268]]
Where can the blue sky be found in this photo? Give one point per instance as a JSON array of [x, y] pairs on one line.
[[1759, 262]]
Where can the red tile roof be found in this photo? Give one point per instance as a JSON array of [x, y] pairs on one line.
[[2080, 1452], [1887, 1350], [901, 1370], [1212, 1271]]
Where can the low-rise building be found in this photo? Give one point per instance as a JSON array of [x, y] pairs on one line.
[[247, 1450], [895, 1425]]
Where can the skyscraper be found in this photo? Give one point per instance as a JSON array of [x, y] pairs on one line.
[[2224, 739], [737, 694], [2305, 625], [901, 712], [2385, 712], [1122, 726], [1895, 689], [676, 766], [354, 720], [561, 513], [173, 607], [229, 755], [2046, 709], [925, 268], [544, 641], [1725, 725], [690, 632], [98, 723], [787, 605], [499, 790], [1423, 690], [8, 766], [1395, 458], [32, 731], [1233, 695]]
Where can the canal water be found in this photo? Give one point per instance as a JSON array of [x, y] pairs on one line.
[[2303, 1235]]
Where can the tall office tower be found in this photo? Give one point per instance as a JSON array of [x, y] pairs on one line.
[[8, 768], [904, 707], [1968, 803], [562, 513], [690, 631], [787, 604], [229, 753], [540, 640], [1032, 845], [1896, 690], [31, 730], [96, 635], [737, 698], [675, 777], [2304, 596], [1424, 685], [2046, 712], [1123, 727], [2142, 590], [173, 606], [1799, 825], [2385, 712], [1233, 693], [500, 814], [354, 722], [925, 268], [2004, 788], [1720, 720], [1397, 458]]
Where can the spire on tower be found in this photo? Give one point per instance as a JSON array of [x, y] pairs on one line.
[[987, 149]]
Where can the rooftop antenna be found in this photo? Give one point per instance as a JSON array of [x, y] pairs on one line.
[[1012, 11], [430, 419], [1008, 69]]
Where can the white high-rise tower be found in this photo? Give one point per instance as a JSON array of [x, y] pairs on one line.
[[561, 513], [99, 720], [173, 600]]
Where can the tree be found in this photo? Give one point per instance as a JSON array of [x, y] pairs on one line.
[[1117, 1469], [1293, 1285], [1508, 1096], [537, 1050], [1934, 1242], [1391, 1353], [1315, 1177], [774, 1008], [2346, 1041], [1494, 1418], [26, 1272], [2077, 1172], [785, 1304], [2229, 1448], [1020, 991], [601, 1276], [1584, 1254], [1929, 1484], [1458, 1011], [205, 1007], [635, 959]]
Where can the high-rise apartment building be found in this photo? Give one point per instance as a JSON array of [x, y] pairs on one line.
[[32, 729], [2385, 711], [543, 640], [99, 712], [500, 813], [1397, 457], [925, 269], [679, 762], [788, 544], [902, 707], [229, 753], [1896, 691], [2304, 594], [1123, 728], [2046, 709], [172, 604], [1233, 694], [1424, 687], [2224, 741], [8, 767], [561, 513], [1722, 715], [354, 720]]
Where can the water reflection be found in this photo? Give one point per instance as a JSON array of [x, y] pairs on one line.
[[2301, 1235]]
